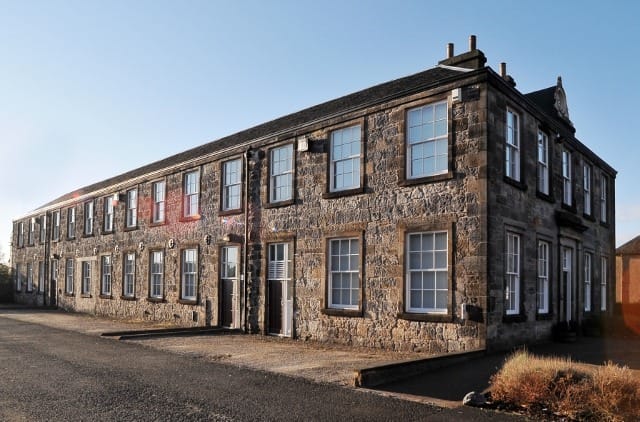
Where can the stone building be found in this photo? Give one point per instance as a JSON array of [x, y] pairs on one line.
[[443, 211]]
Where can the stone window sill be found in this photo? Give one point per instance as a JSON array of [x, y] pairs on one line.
[[130, 229], [157, 223], [104, 296], [342, 312], [86, 295], [133, 298], [548, 316], [156, 300], [428, 179], [190, 218], [279, 204], [515, 183], [69, 294], [514, 318], [341, 193], [410, 316], [187, 301], [545, 197], [235, 211]]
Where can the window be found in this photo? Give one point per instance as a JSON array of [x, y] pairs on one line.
[[344, 273], [231, 185], [41, 277], [427, 140], [586, 188], [86, 278], [43, 228], [189, 274], [107, 202], [603, 198], [567, 192], [105, 275], [543, 277], [18, 278], [69, 276], [55, 232], [345, 159], [512, 288], [88, 218], [587, 282], [229, 257], [29, 277], [71, 223], [128, 286], [32, 230], [158, 202], [54, 269], [512, 157], [281, 174], [132, 208], [543, 163], [20, 234], [427, 272], [603, 283], [156, 275], [191, 190]]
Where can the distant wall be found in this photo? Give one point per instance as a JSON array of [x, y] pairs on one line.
[[6, 290]]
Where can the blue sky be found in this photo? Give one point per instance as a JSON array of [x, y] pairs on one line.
[[90, 89]]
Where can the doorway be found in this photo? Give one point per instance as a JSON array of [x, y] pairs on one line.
[[229, 299], [279, 290]]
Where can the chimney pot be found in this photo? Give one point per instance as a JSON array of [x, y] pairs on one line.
[[449, 50], [472, 43], [503, 69]]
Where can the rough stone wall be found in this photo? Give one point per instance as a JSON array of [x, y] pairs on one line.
[[518, 208]]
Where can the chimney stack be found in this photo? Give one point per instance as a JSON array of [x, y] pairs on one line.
[[472, 59], [472, 42], [449, 50], [503, 69]]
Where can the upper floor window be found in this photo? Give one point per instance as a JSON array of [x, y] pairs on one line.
[[603, 198], [108, 213], [567, 188], [543, 277], [43, 228], [543, 163], [86, 278], [105, 275], [587, 282], [231, 184], [88, 218], [69, 276], [281, 174], [512, 151], [132, 208], [191, 192], [427, 140], [427, 274], [345, 159], [20, 234], [512, 283], [55, 231], [586, 188], [71, 223], [344, 273], [156, 273], [32, 230], [189, 274], [158, 189], [129, 282]]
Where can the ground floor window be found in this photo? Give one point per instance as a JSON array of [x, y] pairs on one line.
[[29, 277], [18, 278], [427, 272], [105, 270], [128, 285], [603, 284], [41, 275], [86, 277], [587, 282], [189, 274], [69, 276], [543, 277], [156, 273], [344, 273], [512, 282]]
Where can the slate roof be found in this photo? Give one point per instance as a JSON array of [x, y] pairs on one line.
[[632, 247], [377, 93], [545, 99]]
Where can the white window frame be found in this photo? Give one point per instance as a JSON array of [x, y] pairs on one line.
[[20, 234], [43, 228], [344, 151], [68, 276], [604, 263], [88, 218], [231, 184], [352, 260], [158, 189], [424, 142], [108, 214], [512, 145], [71, 222], [189, 274], [41, 276], [543, 163], [132, 208], [425, 263], [543, 276], [567, 183], [29, 277], [55, 230], [86, 278], [512, 273], [281, 173], [156, 274], [32, 231], [129, 275], [586, 188], [588, 271], [604, 210], [105, 275], [191, 192]]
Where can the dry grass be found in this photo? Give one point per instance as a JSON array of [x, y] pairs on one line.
[[565, 388]]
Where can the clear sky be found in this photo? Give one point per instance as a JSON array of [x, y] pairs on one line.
[[90, 89]]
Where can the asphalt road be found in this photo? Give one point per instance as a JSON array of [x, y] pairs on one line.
[[50, 374]]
